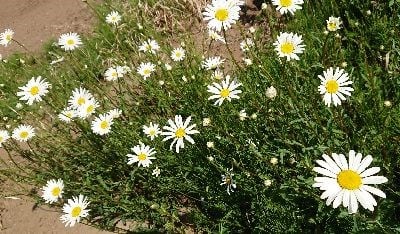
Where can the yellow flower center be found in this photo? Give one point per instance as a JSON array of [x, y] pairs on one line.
[[332, 86], [332, 26], [1, 139], [104, 124], [114, 74], [152, 132], [180, 133], [90, 109], [225, 93], [8, 37], [69, 115], [222, 14], [228, 180], [142, 156], [114, 18], [23, 134], [146, 71], [349, 179], [286, 3], [81, 101], [34, 90], [56, 191], [70, 42], [178, 54], [287, 48], [76, 212]]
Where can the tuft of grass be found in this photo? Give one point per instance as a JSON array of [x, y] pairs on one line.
[[295, 127]]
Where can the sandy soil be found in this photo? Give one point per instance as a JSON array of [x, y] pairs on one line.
[[34, 23]]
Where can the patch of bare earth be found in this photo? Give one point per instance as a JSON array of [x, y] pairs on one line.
[[34, 23]]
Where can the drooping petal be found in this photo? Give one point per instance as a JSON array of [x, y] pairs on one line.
[[363, 200], [353, 206]]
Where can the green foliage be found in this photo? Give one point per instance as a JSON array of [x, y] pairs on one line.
[[295, 127]]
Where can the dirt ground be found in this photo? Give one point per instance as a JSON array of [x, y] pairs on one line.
[[34, 23]]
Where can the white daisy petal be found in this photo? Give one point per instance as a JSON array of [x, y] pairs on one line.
[[374, 190], [364, 163], [338, 200], [346, 198], [374, 180], [353, 206], [324, 172], [370, 171], [363, 200]]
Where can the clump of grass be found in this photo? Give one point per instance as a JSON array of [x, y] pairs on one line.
[[270, 151]]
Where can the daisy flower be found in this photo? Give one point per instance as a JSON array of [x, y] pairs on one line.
[[88, 108], [53, 190], [178, 131], [80, 96], [227, 180], [102, 124], [111, 74], [152, 130], [4, 136], [23, 133], [113, 18], [178, 54], [6, 37], [333, 86], [289, 45], [284, 6], [34, 90], [212, 63], [145, 70], [213, 35], [67, 114], [69, 41], [74, 210], [156, 172], [115, 113], [142, 155], [149, 46], [226, 90], [348, 182], [217, 75], [221, 14], [245, 45], [333, 23]]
